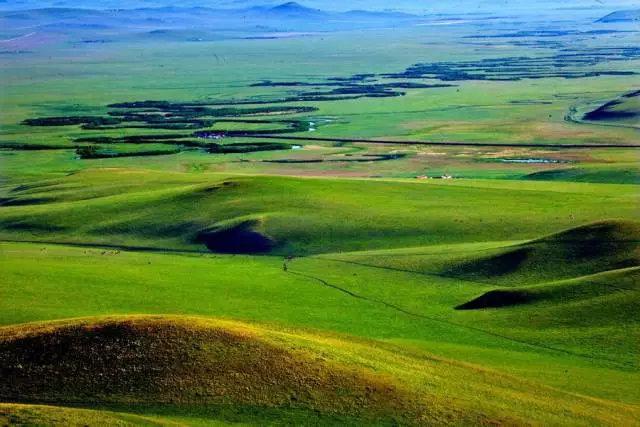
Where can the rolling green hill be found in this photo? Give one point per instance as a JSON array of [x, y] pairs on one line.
[[190, 362], [559, 293], [581, 251], [293, 216], [622, 111]]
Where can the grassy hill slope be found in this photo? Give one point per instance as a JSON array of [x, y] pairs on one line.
[[580, 251], [576, 290], [188, 362], [569, 291], [622, 111], [575, 336], [230, 371], [621, 174], [47, 415], [294, 215], [48, 282]]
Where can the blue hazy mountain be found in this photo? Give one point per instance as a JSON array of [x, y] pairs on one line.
[[622, 16], [413, 6], [169, 22], [214, 19]]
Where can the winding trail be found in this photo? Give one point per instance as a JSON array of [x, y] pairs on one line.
[[454, 324], [351, 294]]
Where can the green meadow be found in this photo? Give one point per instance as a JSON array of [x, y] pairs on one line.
[[161, 264]]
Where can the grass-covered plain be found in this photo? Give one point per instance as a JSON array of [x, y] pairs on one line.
[[528, 111], [160, 264]]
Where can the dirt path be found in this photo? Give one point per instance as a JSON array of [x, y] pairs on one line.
[[455, 324]]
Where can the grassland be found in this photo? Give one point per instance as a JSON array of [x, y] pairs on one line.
[[576, 288], [125, 207], [162, 264], [526, 111]]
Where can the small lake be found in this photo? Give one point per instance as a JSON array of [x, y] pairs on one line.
[[531, 160]]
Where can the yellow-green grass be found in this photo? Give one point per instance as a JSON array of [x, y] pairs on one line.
[[48, 282], [47, 415], [195, 366]]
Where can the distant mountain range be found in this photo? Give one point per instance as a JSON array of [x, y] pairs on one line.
[[21, 29], [622, 16], [176, 16], [411, 6], [191, 23]]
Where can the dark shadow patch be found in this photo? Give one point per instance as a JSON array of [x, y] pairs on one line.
[[31, 227], [240, 239], [498, 265], [632, 94], [14, 201], [580, 251], [497, 299], [611, 111], [93, 152]]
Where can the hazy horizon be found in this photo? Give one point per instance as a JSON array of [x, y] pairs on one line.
[[456, 6]]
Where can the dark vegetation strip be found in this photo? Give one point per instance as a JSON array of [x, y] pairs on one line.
[[435, 143], [170, 139], [458, 325], [93, 152], [35, 147], [567, 64], [365, 159], [70, 121], [246, 148]]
